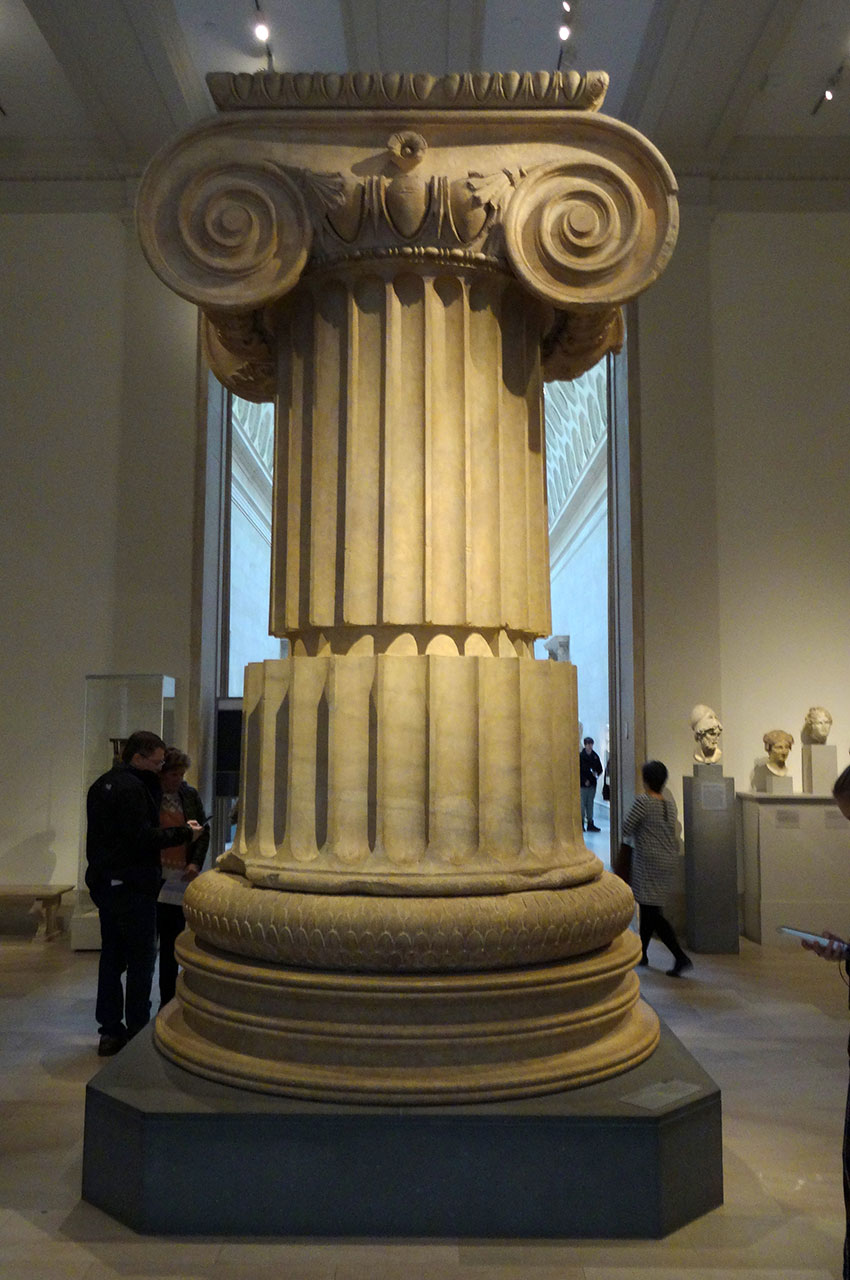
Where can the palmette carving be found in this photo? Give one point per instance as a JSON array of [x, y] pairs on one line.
[[579, 340], [239, 353]]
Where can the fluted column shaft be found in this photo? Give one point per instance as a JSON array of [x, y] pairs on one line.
[[410, 483]]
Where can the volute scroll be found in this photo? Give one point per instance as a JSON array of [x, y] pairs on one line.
[[589, 232], [229, 236]]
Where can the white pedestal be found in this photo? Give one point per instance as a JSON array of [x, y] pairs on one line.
[[820, 768], [796, 856]]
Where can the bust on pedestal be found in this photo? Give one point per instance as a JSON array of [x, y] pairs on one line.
[[820, 759], [771, 775], [707, 730], [711, 873]]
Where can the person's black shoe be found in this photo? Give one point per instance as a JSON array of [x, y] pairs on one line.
[[643, 962], [110, 1045], [593, 828], [683, 963]]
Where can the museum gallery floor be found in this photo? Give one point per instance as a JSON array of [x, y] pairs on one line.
[[770, 1027]]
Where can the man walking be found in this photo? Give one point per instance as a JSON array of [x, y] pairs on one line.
[[590, 767], [123, 846]]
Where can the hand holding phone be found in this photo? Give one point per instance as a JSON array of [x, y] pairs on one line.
[[825, 944]]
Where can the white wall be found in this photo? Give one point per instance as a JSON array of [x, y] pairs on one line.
[[744, 407], [97, 424], [782, 407]]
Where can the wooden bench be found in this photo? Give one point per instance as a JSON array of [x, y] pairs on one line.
[[49, 896]]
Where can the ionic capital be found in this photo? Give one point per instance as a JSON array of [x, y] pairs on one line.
[[325, 173]]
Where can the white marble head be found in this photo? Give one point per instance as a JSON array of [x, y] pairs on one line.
[[817, 726], [778, 745], [707, 730]]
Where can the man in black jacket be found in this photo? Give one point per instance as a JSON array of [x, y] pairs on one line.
[[590, 767], [124, 842]]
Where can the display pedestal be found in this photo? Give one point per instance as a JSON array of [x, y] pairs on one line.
[[711, 864], [169, 1153], [795, 865], [820, 768], [772, 784]]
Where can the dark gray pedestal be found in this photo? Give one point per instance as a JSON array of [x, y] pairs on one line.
[[711, 861], [169, 1153]]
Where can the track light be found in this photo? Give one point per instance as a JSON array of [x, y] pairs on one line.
[[565, 31], [828, 93]]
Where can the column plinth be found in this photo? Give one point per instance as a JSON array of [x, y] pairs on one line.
[[408, 912]]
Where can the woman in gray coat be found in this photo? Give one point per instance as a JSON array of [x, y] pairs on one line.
[[650, 828]]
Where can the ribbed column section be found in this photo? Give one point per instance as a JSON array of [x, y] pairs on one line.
[[409, 456], [410, 775]]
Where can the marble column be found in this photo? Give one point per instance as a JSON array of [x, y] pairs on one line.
[[408, 912]]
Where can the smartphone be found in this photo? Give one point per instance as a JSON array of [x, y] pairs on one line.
[[805, 936]]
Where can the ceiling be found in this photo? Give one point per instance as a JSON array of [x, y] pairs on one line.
[[89, 89]]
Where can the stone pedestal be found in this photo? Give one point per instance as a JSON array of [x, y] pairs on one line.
[[636, 1156], [820, 768], [794, 853], [408, 910], [772, 784], [711, 864]]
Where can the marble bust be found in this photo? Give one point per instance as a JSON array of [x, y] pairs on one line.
[[778, 745], [707, 730], [817, 725]]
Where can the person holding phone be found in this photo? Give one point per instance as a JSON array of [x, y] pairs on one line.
[[124, 846], [179, 804], [836, 949]]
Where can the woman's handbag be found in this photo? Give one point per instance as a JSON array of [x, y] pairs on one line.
[[623, 863]]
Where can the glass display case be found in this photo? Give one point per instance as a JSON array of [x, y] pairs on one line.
[[115, 707]]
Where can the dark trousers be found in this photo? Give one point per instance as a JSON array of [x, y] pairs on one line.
[[127, 945], [588, 794], [170, 923], [653, 921]]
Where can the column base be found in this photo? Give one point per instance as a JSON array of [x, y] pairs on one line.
[[407, 1038]]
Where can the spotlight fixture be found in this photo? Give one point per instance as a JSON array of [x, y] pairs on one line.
[[262, 32], [565, 31], [829, 92]]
